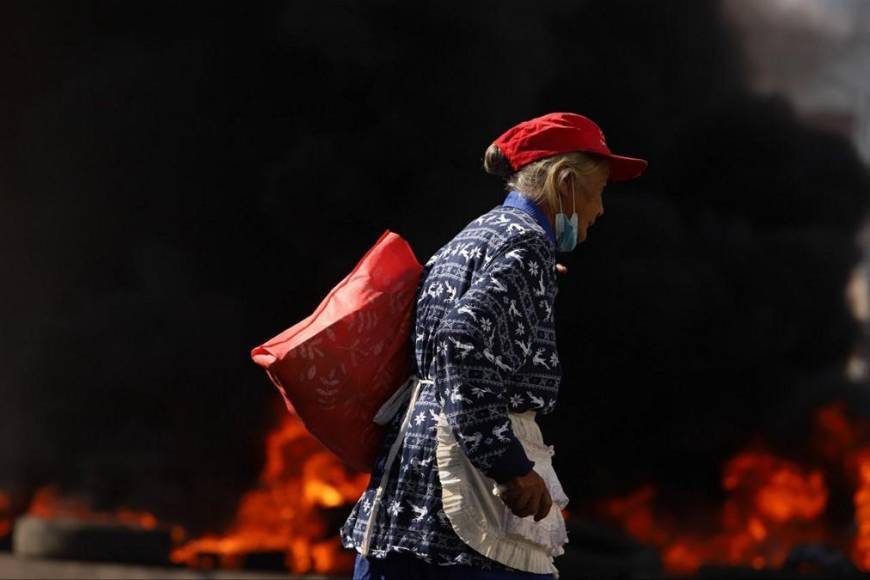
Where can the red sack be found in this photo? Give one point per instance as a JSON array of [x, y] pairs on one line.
[[338, 366]]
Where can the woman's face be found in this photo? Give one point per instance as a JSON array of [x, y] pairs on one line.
[[587, 191]]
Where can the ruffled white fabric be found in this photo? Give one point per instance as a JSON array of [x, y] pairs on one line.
[[483, 521]]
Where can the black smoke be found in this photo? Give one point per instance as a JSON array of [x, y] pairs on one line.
[[178, 184]]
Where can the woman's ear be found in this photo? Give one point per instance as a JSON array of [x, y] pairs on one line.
[[566, 183]]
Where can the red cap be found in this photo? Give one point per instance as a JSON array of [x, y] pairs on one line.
[[557, 133]]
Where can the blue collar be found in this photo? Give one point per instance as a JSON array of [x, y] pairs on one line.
[[518, 200]]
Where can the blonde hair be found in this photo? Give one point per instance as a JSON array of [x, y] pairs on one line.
[[539, 180]]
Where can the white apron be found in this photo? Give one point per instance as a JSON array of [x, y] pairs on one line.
[[483, 521]]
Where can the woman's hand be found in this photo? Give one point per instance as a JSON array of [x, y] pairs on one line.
[[527, 495], [561, 269]]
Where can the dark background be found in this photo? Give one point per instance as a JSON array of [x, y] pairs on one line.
[[179, 182]]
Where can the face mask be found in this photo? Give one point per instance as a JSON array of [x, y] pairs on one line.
[[566, 229]]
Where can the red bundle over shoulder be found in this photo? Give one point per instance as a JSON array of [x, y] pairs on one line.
[[337, 367]]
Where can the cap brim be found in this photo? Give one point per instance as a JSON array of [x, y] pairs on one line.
[[625, 168]]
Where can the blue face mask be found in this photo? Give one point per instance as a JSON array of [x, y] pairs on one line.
[[566, 229]]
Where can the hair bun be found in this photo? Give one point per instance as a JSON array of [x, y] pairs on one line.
[[495, 162]]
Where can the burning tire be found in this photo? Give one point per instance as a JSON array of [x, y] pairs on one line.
[[74, 539]]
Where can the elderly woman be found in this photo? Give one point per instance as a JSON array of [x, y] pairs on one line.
[[464, 485]]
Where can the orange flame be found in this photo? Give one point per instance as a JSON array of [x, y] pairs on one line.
[[861, 545], [781, 492], [300, 477], [769, 497], [848, 443], [48, 502], [772, 505]]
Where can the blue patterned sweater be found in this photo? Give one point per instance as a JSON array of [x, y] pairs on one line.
[[484, 332]]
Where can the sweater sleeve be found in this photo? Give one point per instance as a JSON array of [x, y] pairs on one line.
[[477, 346]]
